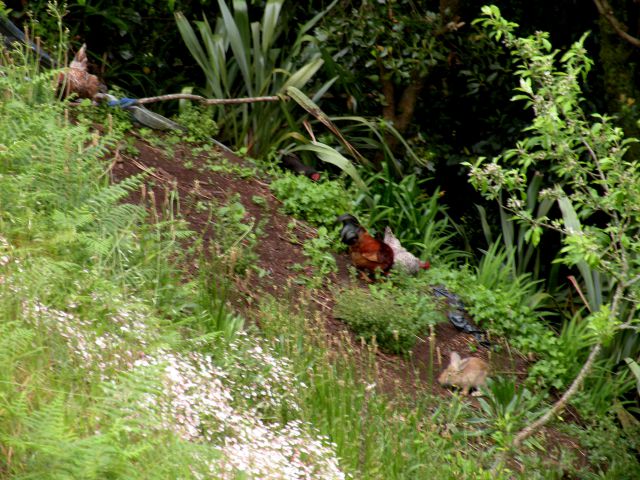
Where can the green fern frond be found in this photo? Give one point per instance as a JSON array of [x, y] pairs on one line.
[[111, 195]]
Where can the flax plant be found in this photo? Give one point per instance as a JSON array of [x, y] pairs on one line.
[[248, 59]]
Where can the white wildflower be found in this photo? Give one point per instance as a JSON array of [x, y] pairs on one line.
[[197, 405]]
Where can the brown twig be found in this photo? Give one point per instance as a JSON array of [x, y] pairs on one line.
[[557, 407], [572, 279], [560, 404], [323, 305], [620, 28], [577, 382], [147, 170], [207, 101]]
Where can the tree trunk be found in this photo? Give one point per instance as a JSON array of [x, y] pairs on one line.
[[401, 114], [398, 113]]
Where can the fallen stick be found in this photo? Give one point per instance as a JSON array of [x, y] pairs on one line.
[[206, 101]]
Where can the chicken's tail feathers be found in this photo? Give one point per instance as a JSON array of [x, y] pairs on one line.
[[390, 239], [80, 60], [388, 234]]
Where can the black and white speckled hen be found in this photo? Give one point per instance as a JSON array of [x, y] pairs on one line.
[[402, 258]]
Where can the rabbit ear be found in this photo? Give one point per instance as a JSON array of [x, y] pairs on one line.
[[455, 360]]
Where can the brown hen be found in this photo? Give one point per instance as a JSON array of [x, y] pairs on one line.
[[76, 79]]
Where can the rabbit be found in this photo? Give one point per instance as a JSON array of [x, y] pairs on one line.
[[466, 373]]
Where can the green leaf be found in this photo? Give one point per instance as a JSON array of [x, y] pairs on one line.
[[190, 39], [300, 78], [216, 66], [525, 85], [635, 369], [486, 229], [241, 16], [603, 324], [590, 278], [306, 103], [311, 23], [270, 21], [239, 46], [331, 155]]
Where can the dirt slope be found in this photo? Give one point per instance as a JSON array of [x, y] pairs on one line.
[[278, 251]]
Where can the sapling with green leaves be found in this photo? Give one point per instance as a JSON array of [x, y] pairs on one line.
[[588, 173]]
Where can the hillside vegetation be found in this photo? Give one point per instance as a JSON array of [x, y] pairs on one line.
[[170, 310]]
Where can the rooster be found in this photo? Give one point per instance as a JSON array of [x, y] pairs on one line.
[[402, 258], [368, 254]]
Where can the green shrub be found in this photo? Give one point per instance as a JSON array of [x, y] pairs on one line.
[[318, 203], [392, 317], [198, 120], [236, 234], [98, 373], [317, 250], [607, 445]]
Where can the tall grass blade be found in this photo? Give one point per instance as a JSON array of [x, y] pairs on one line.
[[241, 16], [260, 68], [312, 23], [382, 144], [324, 89], [217, 62], [591, 278], [306, 103], [270, 22], [192, 43], [486, 229], [508, 230], [635, 369], [331, 155], [300, 78], [238, 40]]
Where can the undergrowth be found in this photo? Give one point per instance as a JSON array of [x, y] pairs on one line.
[[393, 318], [111, 365], [319, 203], [114, 364]]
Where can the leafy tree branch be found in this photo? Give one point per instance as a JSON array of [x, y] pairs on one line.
[[590, 176]]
